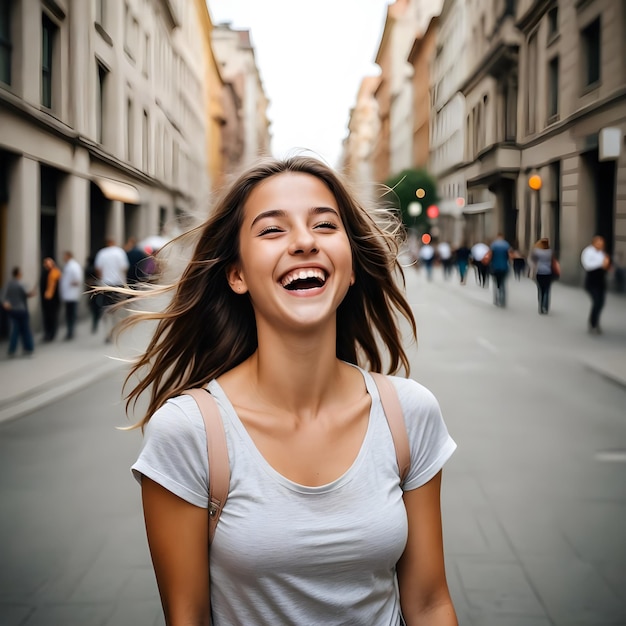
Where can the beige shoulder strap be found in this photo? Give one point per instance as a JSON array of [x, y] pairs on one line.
[[219, 467], [395, 419]]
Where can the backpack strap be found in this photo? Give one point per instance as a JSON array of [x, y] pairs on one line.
[[219, 467], [393, 411]]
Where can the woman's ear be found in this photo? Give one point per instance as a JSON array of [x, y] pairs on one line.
[[236, 280]]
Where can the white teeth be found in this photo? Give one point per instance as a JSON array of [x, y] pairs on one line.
[[303, 275]]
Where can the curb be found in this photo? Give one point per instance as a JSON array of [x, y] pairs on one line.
[[54, 390]]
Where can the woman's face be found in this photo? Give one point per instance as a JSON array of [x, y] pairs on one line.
[[295, 260]]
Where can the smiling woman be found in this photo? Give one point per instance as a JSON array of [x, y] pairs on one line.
[[290, 294]]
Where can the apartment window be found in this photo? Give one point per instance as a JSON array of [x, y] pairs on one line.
[[146, 56], [531, 81], [553, 22], [101, 103], [129, 129], [6, 46], [590, 53], [48, 38], [131, 33], [553, 89], [145, 141], [100, 12]]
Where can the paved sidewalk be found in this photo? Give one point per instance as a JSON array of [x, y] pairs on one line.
[[61, 367]]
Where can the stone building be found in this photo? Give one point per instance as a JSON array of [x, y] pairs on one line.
[[247, 127], [363, 127], [546, 96], [571, 125], [103, 125]]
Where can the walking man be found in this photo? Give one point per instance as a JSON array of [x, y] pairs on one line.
[[14, 301], [498, 258], [71, 286], [111, 265], [50, 301], [596, 262]]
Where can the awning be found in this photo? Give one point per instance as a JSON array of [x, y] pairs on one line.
[[116, 190], [477, 207]]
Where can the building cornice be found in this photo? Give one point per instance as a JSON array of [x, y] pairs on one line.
[[50, 124], [533, 15], [557, 128], [172, 18]]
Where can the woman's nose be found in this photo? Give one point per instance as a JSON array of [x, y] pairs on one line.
[[302, 242]]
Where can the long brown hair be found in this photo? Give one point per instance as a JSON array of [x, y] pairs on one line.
[[206, 329]]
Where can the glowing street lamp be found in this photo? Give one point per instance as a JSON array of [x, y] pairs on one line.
[[535, 182]]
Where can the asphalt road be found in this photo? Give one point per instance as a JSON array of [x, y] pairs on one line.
[[534, 499]]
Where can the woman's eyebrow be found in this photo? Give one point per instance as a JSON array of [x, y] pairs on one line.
[[316, 210], [271, 213]]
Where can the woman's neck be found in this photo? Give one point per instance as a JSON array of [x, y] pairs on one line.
[[296, 372]]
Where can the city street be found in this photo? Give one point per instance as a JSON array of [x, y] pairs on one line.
[[534, 499]]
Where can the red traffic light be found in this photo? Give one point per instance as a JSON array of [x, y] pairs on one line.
[[432, 211]]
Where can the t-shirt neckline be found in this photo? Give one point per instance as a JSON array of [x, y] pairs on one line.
[[229, 412]]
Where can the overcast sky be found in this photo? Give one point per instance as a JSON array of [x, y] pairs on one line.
[[312, 56]]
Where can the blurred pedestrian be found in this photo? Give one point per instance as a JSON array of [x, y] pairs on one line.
[[596, 263], [138, 261], [111, 264], [497, 259], [50, 298], [96, 298], [444, 252], [14, 301], [289, 259], [545, 270], [479, 251], [519, 262], [71, 287], [462, 257], [427, 259]]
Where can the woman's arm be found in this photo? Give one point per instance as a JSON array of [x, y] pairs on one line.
[[178, 538], [424, 595]]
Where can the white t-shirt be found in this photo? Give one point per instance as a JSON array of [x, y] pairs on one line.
[[289, 554], [444, 250], [112, 262], [591, 258], [427, 252], [71, 284]]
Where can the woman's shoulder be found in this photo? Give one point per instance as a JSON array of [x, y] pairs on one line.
[[178, 417]]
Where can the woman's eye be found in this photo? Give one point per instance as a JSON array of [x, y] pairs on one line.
[[330, 225], [270, 229]]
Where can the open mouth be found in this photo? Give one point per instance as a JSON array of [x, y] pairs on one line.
[[304, 279]]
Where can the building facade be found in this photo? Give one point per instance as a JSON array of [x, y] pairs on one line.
[[247, 122], [101, 109], [520, 89], [357, 160]]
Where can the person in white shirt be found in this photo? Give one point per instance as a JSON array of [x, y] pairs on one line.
[[444, 251], [596, 262], [111, 265], [427, 258], [71, 286], [478, 252]]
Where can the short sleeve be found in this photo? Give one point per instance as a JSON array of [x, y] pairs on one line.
[[431, 444], [174, 452]]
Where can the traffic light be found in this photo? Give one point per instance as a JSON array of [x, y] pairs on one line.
[[432, 211]]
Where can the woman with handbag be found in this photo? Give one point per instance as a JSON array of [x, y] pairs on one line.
[[291, 285], [546, 270]]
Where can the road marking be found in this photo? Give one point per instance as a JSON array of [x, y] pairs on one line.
[[485, 343], [611, 456]]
